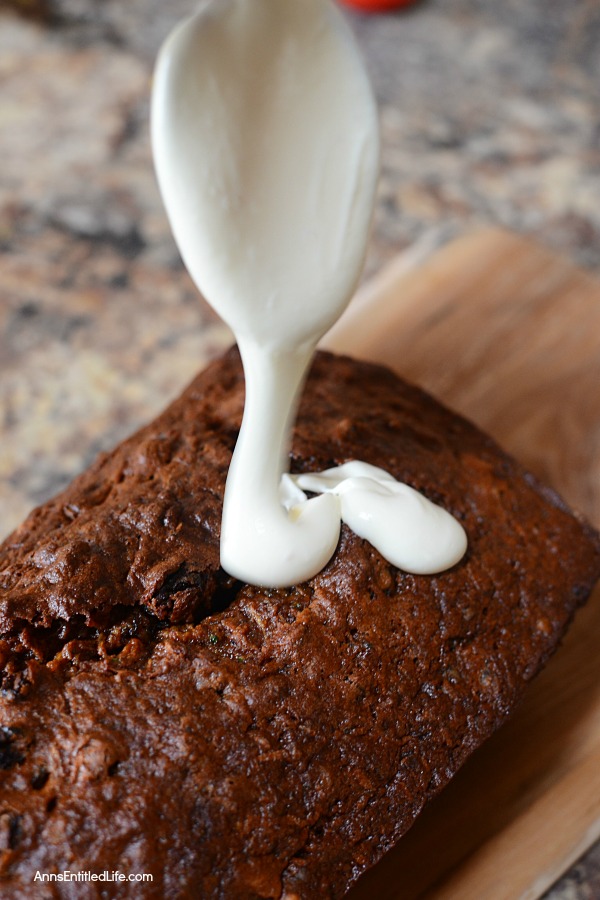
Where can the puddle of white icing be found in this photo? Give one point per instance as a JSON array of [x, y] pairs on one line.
[[266, 147], [412, 533]]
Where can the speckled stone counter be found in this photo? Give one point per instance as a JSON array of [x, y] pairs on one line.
[[489, 114]]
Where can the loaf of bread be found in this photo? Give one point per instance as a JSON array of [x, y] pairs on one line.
[[158, 717]]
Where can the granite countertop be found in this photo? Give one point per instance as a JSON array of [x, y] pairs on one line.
[[489, 115]]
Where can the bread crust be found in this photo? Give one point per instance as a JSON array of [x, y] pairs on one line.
[[157, 716]]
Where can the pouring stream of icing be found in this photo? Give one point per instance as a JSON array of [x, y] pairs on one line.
[[265, 141]]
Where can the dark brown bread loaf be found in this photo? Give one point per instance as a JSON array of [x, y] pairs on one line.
[[158, 717]]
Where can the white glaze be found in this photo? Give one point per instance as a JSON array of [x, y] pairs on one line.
[[265, 141], [411, 532]]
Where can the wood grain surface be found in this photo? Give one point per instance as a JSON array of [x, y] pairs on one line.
[[509, 335]]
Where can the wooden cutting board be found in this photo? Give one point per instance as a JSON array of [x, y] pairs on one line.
[[509, 335]]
